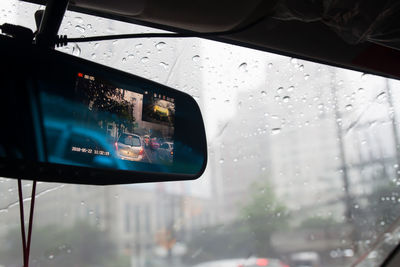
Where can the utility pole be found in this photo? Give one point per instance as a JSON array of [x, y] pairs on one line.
[[394, 127], [342, 155]]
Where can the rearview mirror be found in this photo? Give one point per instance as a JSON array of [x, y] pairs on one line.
[[69, 120]]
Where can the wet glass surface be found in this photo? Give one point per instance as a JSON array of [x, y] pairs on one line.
[[303, 165]]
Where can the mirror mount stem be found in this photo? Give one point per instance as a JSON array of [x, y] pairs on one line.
[[50, 22]]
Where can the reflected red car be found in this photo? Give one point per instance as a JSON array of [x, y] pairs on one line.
[[154, 144]]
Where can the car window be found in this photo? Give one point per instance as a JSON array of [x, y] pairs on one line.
[[131, 140], [303, 164]]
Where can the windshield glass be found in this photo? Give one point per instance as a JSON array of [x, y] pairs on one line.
[[303, 164]]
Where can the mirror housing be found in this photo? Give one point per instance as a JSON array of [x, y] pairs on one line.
[[69, 120]]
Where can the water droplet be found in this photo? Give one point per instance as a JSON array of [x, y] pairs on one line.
[[82, 203], [235, 160], [306, 77], [381, 96], [160, 45], [78, 20], [301, 67], [164, 65], [348, 107], [243, 67], [96, 45], [275, 131], [89, 26], [364, 76], [93, 56], [80, 29], [286, 99], [279, 90], [138, 45], [293, 60], [76, 50], [361, 90], [263, 93], [226, 101], [50, 257], [290, 89], [196, 58], [221, 161], [144, 59], [124, 60]]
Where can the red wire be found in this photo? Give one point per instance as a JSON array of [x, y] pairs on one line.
[[26, 246]]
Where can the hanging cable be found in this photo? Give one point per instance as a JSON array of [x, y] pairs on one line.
[[26, 243], [21, 216], [63, 40]]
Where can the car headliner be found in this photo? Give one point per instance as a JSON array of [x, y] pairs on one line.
[[306, 40]]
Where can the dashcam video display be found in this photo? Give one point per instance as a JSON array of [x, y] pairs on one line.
[[122, 124], [158, 108]]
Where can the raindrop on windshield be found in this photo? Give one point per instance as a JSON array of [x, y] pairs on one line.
[[275, 131], [50, 257], [221, 161], [291, 88], [243, 67], [263, 93], [138, 45], [196, 58], [270, 65], [279, 90], [144, 59], [164, 65], [363, 76], [160, 45], [93, 56], [381, 96], [348, 107], [235, 160], [78, 20], [293, 60], [286, 99], [80, 28], [76, 50], [306, 77], [89, 26], [124, 60]]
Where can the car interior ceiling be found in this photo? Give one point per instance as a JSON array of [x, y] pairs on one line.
[[350, 34], [364, 38]]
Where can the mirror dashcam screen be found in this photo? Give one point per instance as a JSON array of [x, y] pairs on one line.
[[103, 125]]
